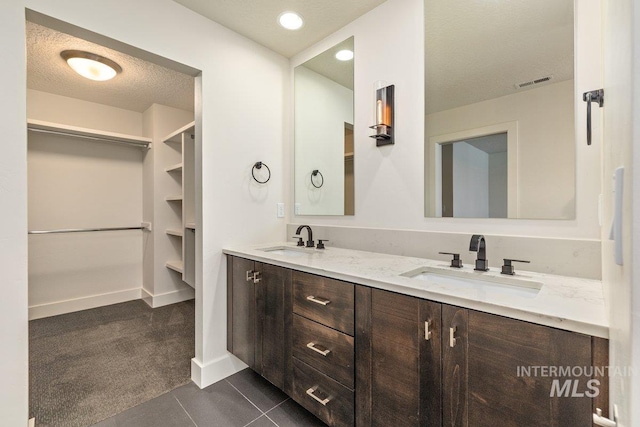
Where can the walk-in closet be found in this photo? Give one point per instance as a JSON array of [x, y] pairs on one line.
[[112, 225]]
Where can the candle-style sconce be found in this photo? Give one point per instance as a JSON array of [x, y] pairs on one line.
[[384, 116]]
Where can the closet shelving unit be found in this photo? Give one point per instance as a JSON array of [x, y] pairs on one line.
[[87, 134], [183, 139]]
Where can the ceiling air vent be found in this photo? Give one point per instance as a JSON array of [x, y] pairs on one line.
[[533, 82]]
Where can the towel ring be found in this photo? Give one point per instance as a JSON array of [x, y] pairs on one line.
[[259, 165], [315, 173]]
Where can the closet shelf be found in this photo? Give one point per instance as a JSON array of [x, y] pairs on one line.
[[174, 168], [86, 133], [174, 198], [175, 136], [177, 233], [190, 225], [175, 266], [348, 155]]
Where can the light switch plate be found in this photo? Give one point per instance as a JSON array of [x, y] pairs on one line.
[[298, 209], [280, 210]]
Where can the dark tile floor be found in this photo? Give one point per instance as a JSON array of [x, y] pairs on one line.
[[242, 400]]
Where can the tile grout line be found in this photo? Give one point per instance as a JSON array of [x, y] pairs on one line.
[[249, 400], [276, 424], [185, 411], [279, 404], [266, 413]]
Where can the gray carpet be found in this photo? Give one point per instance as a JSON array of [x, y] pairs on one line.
[[90, 365]]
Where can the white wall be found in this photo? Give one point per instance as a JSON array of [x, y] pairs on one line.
[[80, 184], [76, 112], [75, 183], [470, 181], [390, 180], [238, 128], [621, 132], [322, 107], [13, 227], [546, 144]]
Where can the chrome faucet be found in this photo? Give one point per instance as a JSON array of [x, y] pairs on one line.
[[478, 245], [309, 232]]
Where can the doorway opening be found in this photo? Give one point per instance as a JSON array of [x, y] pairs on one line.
[[112, 226]]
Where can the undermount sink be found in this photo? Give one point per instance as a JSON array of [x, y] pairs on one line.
[[288, 251], [483, 284]]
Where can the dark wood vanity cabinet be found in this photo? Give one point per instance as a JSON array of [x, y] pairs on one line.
[[358, 356], [258, 318], [422, 363]]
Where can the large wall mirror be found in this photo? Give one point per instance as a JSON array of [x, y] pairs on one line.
[[324, 150], [499, 103]]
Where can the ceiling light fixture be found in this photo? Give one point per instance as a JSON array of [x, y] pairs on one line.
[[90, 65], [290, 20], [344, 55]]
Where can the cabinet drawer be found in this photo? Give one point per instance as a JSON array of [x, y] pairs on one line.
[[324, 397], [327, 301], [329, 351]]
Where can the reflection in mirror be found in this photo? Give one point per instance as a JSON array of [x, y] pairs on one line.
[[499, 100], [324, 149]]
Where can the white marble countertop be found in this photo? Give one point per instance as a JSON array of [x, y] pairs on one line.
[[568, 303]]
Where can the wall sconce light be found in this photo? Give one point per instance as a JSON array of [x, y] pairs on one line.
[[384, 116]]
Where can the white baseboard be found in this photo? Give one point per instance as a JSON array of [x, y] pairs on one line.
[[32, 422], [160, 300], [216, 370], [85, 303]]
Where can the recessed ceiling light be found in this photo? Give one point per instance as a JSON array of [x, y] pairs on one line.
[[290, 20], [90, 65], [344, 55]]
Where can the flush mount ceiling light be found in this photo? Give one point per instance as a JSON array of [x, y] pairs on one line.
[[344, 55], [290, 20], [90, 65]]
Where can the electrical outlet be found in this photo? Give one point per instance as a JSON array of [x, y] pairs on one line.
[[280, 210], [298, 209]]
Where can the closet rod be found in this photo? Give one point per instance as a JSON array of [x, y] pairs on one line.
[[94, 138], [86, 230]]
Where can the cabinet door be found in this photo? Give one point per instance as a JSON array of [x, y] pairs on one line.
[[502, 394], [273, 318], [455, 407], [398, 368], [241, 310]]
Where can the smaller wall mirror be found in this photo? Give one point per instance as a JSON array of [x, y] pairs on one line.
[[324, 149]]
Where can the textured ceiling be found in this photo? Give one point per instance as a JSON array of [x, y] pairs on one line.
[[258, 19], [140, 84], [327, 65], [479, 49]]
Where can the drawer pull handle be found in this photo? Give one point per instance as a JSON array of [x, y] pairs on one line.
[[318, 300], [427, 332], [452, 336], [311, 392], [313, 347], [249, 275]]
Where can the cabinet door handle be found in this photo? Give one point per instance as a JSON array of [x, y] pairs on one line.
[[313, 347], [311, 392], [249, 275], [256, 277], [427, 332], [318, 300], [452, 336]]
